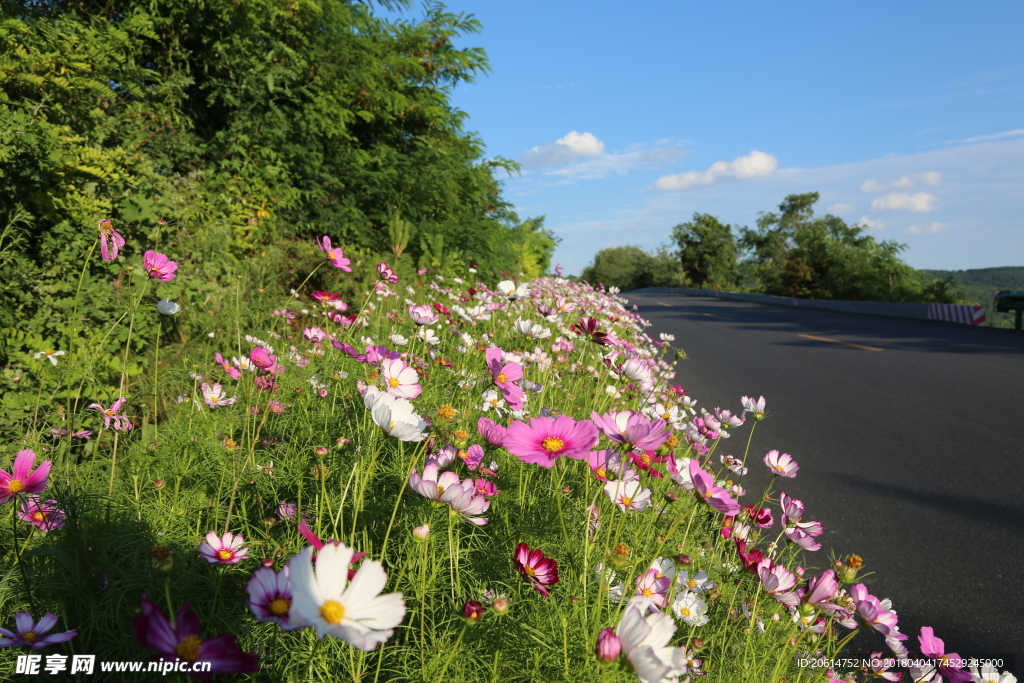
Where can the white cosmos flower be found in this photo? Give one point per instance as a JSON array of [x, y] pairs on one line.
[[509, 289], [645, 639], [667, 337], [689, 607], [50, 355], [532, 329], [167, 307], [395, 416], [990, 674], [398, 340], [628, 495], [640, 373], [428, 336], [353, 611]]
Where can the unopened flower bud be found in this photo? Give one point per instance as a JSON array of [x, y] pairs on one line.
[[163, 561], [500, 605], [158, 484], [848, 573], [472, 611], [321, 451], [671, 497], [573, 599], [267, 562], [683, 560], [421, 533], [609, 647], [697, 644]]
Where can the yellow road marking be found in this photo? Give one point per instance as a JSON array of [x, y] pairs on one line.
[[716, 316], [836, 341], [662, 303]]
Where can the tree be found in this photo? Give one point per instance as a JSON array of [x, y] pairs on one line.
[[631, 267], [707, 251]]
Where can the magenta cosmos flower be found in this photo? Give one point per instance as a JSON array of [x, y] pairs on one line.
[[116, 241], [181, 640], [32, 633], [46, 516], [335, 256], [158, 266], [781, 464], [716, 497], [546, 439], [494, 433], [226, 549], [270, 598], [262, 359], [111, 416], [950, 664], [540, 571], [505, 377], [22, 479]]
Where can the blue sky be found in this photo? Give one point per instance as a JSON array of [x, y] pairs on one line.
[[630, 117]]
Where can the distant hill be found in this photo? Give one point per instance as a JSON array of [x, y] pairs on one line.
[[979, 286]]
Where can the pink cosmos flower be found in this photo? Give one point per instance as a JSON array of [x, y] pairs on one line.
[[448, 489], [107, 231], [879, 666], [654, 585], [31, 633], [774, 577], [821, 588], [228, 367], [181, 641], [400, 380], [110, 415], [472, 456], [386, 273], [760, 517], [46, 516], [315, 334], [215, 396], [270, 598], [84, 434], [158, 267], [716, 497], [227, 549], [546, 439], [22, 479], [493, 433], [505, 377], [754, 407], [485, 488], [802, 539], [632, 429], [950, 664], [335, 256], [609, 647], [792, 508], [423, 315], [781, 465], [870, 610], [538, 570]]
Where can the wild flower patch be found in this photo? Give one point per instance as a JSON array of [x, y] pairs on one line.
[[510, 486]]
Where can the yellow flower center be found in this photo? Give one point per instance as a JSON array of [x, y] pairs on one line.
[[109, 413], [279, 606], [645, 458], [15, 486], [214, 399], [501, 378], [530, 571], [463, 454], [440, 490], [48, 352], [332, 612], [29, 636], [188, 648], [683, 611], [646, 591], [224, 555], [626, 500], [667, 417], [393, 382], [602, 472], [391, 426], [154, 271], [553, 444], [38, 516], [691, 583]]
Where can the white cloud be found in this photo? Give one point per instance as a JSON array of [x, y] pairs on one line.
[[840, 208], [873, 223], [934, 227], [754, 165], [620, 163], [921, 202], [993, 136], [568, 148], [932, 178]]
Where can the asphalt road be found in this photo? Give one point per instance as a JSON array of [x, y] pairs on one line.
[[910, 439]]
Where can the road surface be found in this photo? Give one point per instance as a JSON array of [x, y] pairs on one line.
[[910, 439]]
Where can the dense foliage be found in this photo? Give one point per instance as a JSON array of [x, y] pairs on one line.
[[229, 133], [979, 286], [793, 253]]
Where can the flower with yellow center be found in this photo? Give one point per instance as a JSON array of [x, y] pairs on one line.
[[552, 444], [353, 611], [188, 648]]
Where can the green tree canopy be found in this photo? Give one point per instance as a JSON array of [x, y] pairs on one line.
[[707, 250]]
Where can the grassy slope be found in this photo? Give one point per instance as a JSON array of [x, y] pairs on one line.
[[980, 284]]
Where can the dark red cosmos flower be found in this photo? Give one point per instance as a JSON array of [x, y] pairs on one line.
[[181, 640], [588, 328], [326, 296], [442, 309], [540, 571], [645, 459], [750, 559]]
